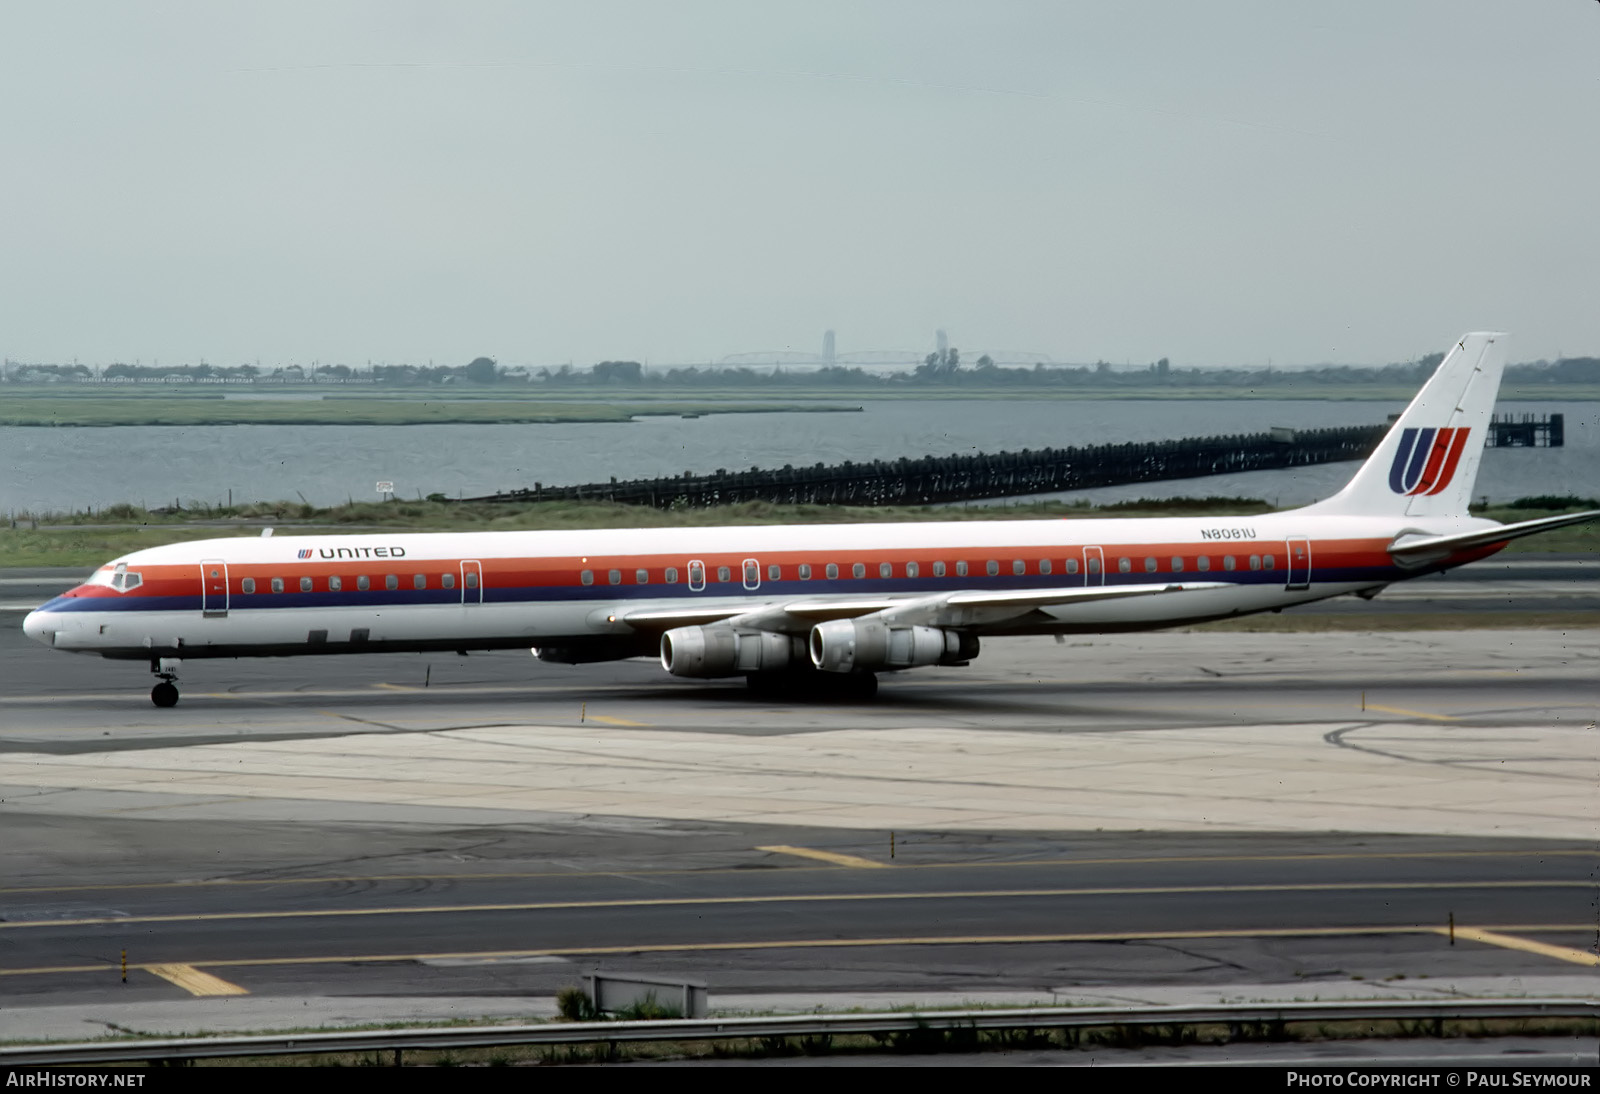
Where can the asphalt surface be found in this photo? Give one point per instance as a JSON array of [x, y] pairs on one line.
[[316, 896]]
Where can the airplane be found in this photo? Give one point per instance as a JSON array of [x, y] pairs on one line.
[[793, 608]]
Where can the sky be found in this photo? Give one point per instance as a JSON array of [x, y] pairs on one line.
[[1227, 183]]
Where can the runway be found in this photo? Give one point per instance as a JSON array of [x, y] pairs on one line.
[[1189, 810]]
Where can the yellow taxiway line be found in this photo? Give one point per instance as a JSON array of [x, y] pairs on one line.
[[789, 898], [1527, 945], [340, 879], [815, 944], [195, 982], [1411, 713], [826, 856]]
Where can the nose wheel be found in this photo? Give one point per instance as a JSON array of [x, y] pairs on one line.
[[165, 693]]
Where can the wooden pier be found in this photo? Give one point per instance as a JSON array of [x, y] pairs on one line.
[[934, 480], [1527, 431], [939, 479]]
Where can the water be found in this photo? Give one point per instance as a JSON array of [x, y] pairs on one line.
[[44, 469]]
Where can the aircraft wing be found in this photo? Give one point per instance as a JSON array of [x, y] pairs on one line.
[[1423, 549], [962, 608]]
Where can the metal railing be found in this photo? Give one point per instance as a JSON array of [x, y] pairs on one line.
[[811, 1025]]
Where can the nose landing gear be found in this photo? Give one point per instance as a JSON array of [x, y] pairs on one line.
[[165, 693]]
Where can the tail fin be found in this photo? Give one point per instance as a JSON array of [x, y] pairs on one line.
[[1428, 461]]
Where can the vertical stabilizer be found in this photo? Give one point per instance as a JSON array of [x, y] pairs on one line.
[[1428, 461]]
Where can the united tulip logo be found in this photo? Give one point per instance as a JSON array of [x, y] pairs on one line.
[[1426, 460]]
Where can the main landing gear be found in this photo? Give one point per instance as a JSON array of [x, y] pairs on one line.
[[165, 693], [807, 684]]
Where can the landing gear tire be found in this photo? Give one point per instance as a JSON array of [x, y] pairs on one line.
[[861, 685], [164, 694], [806, 685]]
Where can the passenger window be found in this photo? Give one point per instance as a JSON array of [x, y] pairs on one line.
[[1203, 562], [1228, 562], [774, 573], [1044, 565], [1018, 566], [805, 571], [858, 570], [961, 568], [1094, 565], [1151, 566], [912, 569], [672, 575], [363, 583], [277, 584], [1177, 564], [614, 577], [448, 581], [391, 581], [472, 579], [723, 573], [587, 577], [305, 584], [885, 569], [1270, 562], [248, 585], [418, 581], [1072, 565], [1124, 565], [1255, 562], [832, 570], [938, 569], [335, 583], [752, 574], [991, 567], [641, 577]]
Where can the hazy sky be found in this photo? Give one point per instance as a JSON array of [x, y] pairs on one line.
[[1220, 182]]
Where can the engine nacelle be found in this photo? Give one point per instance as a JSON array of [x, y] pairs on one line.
[[721, 650], [846, 645]]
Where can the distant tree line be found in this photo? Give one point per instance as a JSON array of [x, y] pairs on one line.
[[940, 369]]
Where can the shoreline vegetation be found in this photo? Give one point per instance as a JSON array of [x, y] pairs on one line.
[[93, 537], [52, 409], [183, 409], [618, 391]]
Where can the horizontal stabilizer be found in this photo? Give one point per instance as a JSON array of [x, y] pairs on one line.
[[1428, 548]]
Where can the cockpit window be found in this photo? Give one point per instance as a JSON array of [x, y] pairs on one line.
[[119, 579]]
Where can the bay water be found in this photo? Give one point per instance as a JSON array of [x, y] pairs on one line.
[[59, 469]]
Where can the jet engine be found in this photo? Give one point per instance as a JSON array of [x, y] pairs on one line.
[[722, 650], [846, 645]]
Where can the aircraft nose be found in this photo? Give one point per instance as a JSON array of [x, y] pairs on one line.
[[40, 626]]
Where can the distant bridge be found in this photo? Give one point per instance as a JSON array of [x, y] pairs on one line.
[[873, 358]]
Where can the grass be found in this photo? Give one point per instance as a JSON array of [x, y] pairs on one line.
[[90, 538], [198, 410], [57, 403]]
